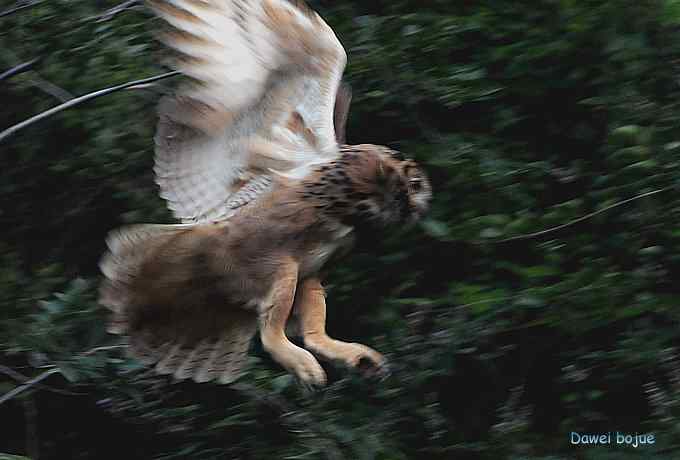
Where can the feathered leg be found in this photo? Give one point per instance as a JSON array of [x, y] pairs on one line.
[[310, 307], [273, 317]]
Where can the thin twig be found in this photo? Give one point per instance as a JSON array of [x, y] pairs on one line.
[[79, 100], [573, 222], [50, 88], [492, 299], [19, 7], [105, 348], [558, 296], [21, 378], [36, 80], [450, 308], [34, 381], [149, 86], [17, 69], [111, 12], [28, 383]]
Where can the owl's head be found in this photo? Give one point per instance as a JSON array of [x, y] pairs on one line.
[[387, 189]]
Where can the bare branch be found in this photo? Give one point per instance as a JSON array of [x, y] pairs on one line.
[[482, 301], [111, 12], [19, 7], [105, 348], [34, 381], [79, 100], [17, 69], [36, 80], [149, 86], [529, 236], [50, 88], [21, 378]]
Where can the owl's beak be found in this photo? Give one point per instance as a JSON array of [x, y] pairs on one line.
[[420, 208]]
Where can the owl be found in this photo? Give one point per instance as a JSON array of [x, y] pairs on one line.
[[251, 158]]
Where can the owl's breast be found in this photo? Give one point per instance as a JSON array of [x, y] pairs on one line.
[[316, 256]]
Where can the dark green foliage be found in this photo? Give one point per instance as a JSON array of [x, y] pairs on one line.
[[526, 115]]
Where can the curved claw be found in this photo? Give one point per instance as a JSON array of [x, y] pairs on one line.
[[311, 386], [372, 369]]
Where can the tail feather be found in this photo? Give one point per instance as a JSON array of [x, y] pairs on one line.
[[130, 246], [190, 365]]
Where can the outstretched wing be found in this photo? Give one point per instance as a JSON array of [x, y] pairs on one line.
[[263, 79]]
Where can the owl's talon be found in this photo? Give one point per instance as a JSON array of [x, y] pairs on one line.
[[311, 387], [368, 362], [384, 372], [373, 369], [366, 366], [378, 371]]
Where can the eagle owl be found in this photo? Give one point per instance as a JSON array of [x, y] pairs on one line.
[[250, 157]]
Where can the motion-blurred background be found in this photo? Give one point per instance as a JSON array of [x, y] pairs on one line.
[[526, 116]]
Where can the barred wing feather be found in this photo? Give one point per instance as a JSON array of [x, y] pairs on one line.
[[262, 82]]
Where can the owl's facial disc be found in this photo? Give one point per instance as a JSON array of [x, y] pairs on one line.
[[401, 193]]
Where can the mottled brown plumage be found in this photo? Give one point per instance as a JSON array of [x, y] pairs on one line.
[[266, 194]]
